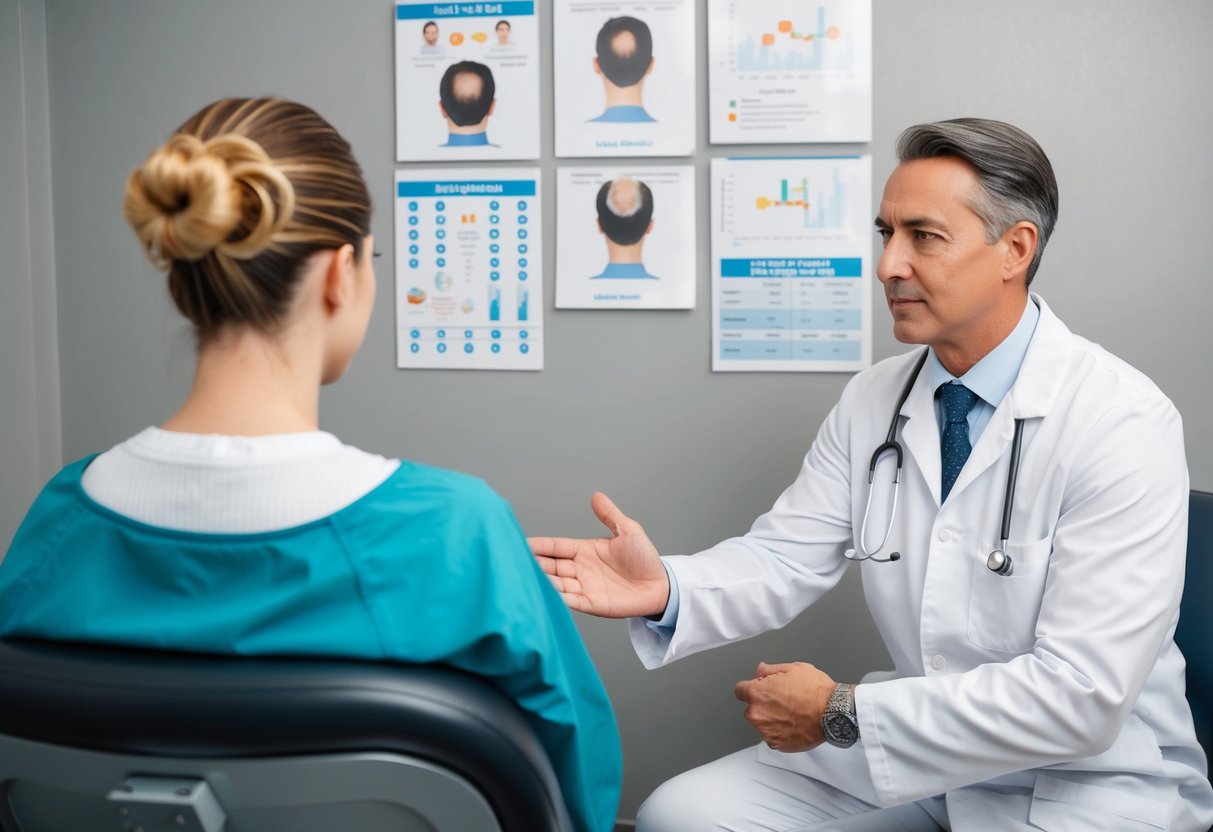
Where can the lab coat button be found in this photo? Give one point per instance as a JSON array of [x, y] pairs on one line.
[[938, 662], [945, 535]]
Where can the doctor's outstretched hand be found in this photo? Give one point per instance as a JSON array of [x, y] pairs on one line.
[[620, 576]]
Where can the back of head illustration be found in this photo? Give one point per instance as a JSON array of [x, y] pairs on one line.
[[625, 50], [466, 91], [625, 210]]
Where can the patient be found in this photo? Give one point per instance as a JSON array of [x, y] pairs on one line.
[[238, 526]]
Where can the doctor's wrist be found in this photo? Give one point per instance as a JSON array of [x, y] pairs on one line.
[[839, 720], [668, 614]]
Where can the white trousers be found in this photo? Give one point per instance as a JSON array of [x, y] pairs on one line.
[[738, 793]]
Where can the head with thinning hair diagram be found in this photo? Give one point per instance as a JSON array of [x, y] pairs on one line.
[[625, 210], [625, 51], [467, 92]]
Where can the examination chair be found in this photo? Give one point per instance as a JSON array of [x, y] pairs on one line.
[[1194, 633], [98, 738]]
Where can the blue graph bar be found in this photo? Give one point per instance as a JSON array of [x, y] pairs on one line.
[[829, 214], [494, 303], [523, 303]]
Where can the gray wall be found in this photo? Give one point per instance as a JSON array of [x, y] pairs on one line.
[[1115, 91], [30, 443]]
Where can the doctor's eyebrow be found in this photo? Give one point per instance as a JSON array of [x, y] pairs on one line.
[[912, 222]]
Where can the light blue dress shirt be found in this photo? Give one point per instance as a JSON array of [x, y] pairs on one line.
[[992, 377], [624, 113], [624, 271], [468, 140]]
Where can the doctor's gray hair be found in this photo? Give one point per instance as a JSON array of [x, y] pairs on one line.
[[1017, 181]]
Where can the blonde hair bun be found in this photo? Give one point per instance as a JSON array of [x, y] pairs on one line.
[[191, 197]]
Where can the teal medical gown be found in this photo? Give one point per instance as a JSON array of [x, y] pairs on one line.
[[430, 566]]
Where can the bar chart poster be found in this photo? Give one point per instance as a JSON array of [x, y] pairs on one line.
[[791, 264], [789, 71], [469, 276]]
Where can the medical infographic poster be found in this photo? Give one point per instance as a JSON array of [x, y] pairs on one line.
[[789, 71], [467, 81], [791, 263], [625, 238], [625, 77], [469, 278]]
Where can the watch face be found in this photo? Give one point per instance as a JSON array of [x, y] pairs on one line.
[[840, 729]]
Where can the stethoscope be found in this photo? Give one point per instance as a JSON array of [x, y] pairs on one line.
[[999, 562]]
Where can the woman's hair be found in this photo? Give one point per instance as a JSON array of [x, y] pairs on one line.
[[235, 203]]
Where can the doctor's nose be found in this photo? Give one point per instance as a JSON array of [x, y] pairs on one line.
[[893, 263]]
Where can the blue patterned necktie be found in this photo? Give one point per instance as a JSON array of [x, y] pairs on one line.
[[957, 400]]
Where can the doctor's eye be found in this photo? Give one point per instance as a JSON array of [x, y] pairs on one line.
[[884, 234]]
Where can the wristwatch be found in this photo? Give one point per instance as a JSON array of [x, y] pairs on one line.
[[839, 723]]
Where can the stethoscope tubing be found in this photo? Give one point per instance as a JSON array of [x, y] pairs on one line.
[[998, 562]]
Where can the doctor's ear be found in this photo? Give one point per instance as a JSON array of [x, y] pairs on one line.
[[1021, 241], [597, 67]]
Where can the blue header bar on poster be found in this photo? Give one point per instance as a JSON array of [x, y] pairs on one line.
[[792, 267], [427, 11], [508, 187]]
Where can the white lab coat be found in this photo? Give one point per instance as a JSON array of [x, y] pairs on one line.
[[1062, 677]]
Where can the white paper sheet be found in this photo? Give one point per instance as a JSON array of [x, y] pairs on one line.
[[792, 246], [638, 97], [502, 41], [469, 273], [789, 71], [625, 237]]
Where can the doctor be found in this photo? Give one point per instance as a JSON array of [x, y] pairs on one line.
[[1036, 682]]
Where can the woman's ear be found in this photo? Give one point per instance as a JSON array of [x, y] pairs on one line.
[[339, 278]]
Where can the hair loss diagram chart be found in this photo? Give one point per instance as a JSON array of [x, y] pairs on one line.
[[469, 279], [467, 81], [791, 263]]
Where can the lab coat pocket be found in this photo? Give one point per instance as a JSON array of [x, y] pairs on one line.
[[1068, 806], [1003, 608]]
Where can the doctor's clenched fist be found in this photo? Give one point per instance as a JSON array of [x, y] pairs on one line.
[[614, 577], [785, 703]]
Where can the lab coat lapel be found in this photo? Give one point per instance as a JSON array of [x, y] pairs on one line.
[[1045, 367], [920, 434]]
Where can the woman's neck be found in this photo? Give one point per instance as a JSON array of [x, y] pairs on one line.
[[251, 384]]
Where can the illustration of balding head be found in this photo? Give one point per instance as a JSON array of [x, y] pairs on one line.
[[625, 57], [466, 97], [625, 217]]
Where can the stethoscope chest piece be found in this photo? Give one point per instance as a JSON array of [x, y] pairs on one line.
[[999, 562]]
